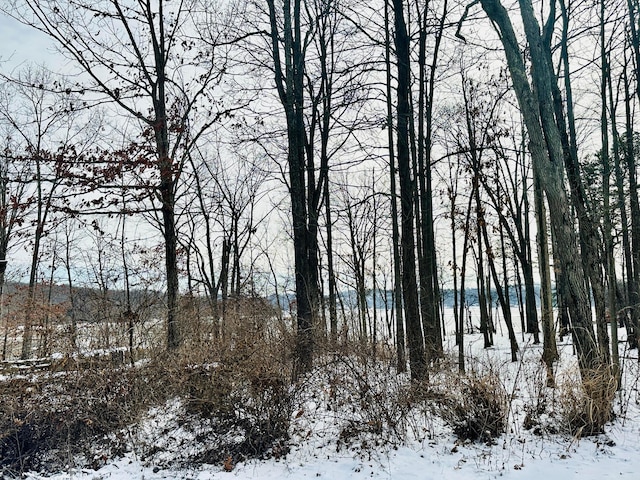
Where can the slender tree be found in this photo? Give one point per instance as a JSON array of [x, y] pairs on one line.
[[404, 113], [549, 348], [429, 302], [12, 208], [45, 124], [140, 56], [630, 152]]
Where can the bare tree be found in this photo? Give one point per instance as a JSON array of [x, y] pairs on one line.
[[144, 57], [288, 43], [224, 191], [547, 153], [427, 262], [12, 208], [45, 125], [404, 111], [397, 261]]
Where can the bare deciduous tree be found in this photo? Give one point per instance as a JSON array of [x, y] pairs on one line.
[[146, 58]]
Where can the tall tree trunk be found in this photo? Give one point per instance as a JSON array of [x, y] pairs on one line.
[[546, 150], [407, 189], [549, 346], [327, 62], [634, 204], [427, 260], [395, 233], [289, 83], [631, 167], [167, 186], [588, 224], [607, 225], [625, 228]]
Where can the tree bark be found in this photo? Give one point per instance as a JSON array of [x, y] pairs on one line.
[[545, 147], [401, 361], [407, 189]]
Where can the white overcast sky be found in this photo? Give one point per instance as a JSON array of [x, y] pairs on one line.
[[20, 44]]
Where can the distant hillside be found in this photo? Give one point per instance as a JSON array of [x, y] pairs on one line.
[[89, 304], [385, 298]]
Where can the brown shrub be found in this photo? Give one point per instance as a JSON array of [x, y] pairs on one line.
[[474, 405], [46, 420]]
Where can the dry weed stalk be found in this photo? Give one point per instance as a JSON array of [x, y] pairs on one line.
[[586, 405]]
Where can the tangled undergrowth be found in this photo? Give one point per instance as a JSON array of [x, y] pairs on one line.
[[475, 406], [234, 405], [220, 406], [46, 420]]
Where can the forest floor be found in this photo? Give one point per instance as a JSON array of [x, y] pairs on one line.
[[352, 418]]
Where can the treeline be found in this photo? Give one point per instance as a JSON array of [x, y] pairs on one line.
[[220, 150]]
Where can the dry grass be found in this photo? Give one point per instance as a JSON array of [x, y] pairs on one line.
[[585, 406], [576, 407], [46, 420]]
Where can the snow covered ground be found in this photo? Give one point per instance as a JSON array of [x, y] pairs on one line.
[[321, 445], [429, 450], [513, 458]]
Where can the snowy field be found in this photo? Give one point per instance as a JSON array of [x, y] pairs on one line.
[[429, 450]]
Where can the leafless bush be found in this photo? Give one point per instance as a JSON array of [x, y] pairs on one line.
[[59, 417], [46, 420], [377, 397], [240, 383], [474, 405]]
